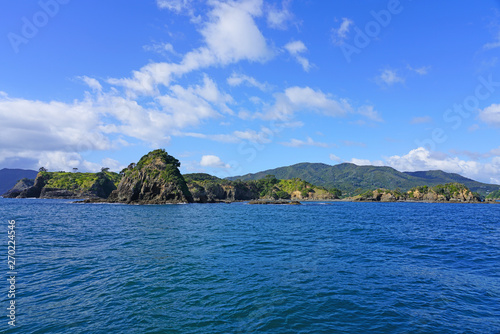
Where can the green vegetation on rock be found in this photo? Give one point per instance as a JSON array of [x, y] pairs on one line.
[[78, 181], [67, 185], [155, 179], [352, 179], [450, 192], [207, 188], [494, 195], [199, 177]]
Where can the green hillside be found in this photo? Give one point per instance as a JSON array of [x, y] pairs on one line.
[[78, 181], [352, 179], [494, 195]]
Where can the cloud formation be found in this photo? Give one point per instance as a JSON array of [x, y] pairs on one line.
[[421, 159], [239, 79], [278, 18], [230, 35], [212, 161], [491, 115], [339, 35], [389, 77], [300, 143], [296, 48]]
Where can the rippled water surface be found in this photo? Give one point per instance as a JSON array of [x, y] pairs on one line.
[[218, 268]]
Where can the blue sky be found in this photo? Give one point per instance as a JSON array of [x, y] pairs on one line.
[[232, 87]]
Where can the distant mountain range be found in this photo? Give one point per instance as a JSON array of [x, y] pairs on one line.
[[9, 177], [352, 179]]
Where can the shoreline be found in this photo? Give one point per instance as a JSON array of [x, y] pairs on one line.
[[255, 202]]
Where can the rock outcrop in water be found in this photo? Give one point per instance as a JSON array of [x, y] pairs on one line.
[[450, 192], [19, 187], [206, 188], [155, 179]]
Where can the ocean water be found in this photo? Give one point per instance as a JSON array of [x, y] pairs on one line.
[[238, 268]]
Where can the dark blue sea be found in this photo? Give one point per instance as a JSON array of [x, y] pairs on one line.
[[217, 268]]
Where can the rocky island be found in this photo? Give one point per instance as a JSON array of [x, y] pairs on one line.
[[450, 192], [65, 185], [156, 179]]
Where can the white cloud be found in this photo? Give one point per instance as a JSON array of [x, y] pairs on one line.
[[421, 120], [188, 106], [296, 98], [420, 159], [300, 143], [210, 92], [112, 164], [264, 136], [146, 80], [277, 18], [129, 118], [361, 162], [389, 77], [37, 125], [212, 161], [174, 5], [161, 48], [295, 48], [230, 35], [340, 34], [182, 107], [72, 128], [66, 161], [335, 158], [238, 79], [55, 133], [420, 70], [491, 115], [54, 160], [304, 98], [370, 113], [92, 83]]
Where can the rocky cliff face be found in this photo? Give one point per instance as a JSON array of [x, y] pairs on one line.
[[155, 179], [19, 187], [99, 186], [212, 192], [32, 191], [313, 196]]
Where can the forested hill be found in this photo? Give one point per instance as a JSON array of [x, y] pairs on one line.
[[352, 179]]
